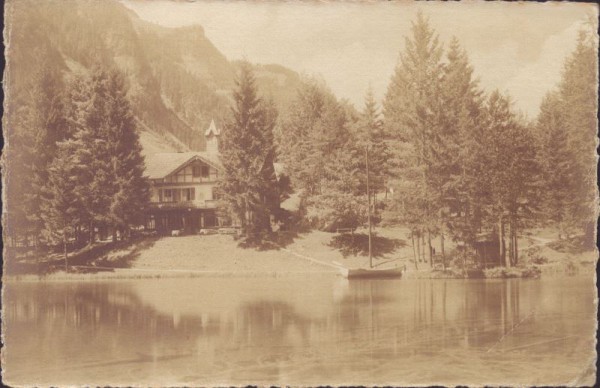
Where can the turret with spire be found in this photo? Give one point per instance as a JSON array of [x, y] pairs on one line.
[[212, 138]]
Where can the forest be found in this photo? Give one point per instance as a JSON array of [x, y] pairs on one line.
[[74, 164], [447, 159]]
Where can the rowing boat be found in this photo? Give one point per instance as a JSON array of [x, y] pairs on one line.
[[371, 273]]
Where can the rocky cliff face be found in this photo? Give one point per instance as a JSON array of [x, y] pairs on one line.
[[178, 80]]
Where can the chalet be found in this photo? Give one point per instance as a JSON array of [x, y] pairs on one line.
[[183, 188]]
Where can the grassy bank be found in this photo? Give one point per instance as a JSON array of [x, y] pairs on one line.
[[311, 252]]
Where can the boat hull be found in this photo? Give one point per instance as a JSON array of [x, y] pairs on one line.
[[361, 273]]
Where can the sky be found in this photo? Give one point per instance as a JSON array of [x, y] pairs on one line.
[[517, 48]]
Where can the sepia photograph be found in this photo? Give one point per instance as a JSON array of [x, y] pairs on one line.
[[299, 193]]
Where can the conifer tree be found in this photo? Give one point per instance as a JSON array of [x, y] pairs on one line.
[[458, 119], [578, 93], [371, 134], [555, 162], [314, 126], [512, 175], [107, 151], [413, 114], [249, 184], [44, 127], [131, 189], [322, 150], [62, 209]]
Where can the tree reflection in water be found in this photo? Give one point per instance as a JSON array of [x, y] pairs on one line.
[[281, 331]]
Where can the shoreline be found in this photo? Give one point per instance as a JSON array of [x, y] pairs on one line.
[[309, 254], [136, 274], [125, 274]]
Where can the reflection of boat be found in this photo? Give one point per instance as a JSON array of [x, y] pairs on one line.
[[372, 273]]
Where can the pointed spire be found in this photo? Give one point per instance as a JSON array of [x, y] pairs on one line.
[[212, 129], [212, 138]]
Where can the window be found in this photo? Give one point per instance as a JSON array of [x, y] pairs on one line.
[[205, 171], [215, 193], [189, 194], [196, 171], [168, 193]]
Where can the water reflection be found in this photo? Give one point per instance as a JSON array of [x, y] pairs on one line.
[[194, 331]]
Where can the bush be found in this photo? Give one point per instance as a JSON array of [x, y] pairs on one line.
[[512, 272], [572, 245], [534, 256], [458, 258]]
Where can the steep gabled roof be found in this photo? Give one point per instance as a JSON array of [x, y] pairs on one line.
[[161, 165]]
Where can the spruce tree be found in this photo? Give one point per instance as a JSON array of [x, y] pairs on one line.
[[458, 145], [578, 92], [511, 171], [413, 114], [323, 150], [555, 162], [371, 134], [310, 132], [131, 189], [249, 184], [44, 127], [107, 151], [62, 209]]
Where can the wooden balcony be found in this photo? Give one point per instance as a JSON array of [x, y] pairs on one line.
[[198, 204]]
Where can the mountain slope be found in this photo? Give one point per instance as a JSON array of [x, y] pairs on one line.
[[178, 80]]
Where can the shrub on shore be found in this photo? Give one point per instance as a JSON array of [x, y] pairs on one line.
[[512, 272]]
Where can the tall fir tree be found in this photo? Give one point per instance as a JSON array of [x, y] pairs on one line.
[[413, 114], [249, 185], [325, 158], [555, 160], [44, 127], [315, 125], [107, 152], [461, 99], [62, 210], [371, 134], [512, 175], [579, 96]]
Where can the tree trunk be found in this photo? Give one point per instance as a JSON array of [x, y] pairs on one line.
[[510, 244], [375, 202], [66, 255], [501, 243], [412, 237], [423, 244], [465, 263], [516, 246], [442, 246], [418, 247], [430, 248]]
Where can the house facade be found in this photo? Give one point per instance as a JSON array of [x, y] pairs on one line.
[[183, 189]]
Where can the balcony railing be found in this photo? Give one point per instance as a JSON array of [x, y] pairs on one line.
[[197, 204]]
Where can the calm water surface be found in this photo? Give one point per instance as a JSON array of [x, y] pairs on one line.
[[293, 330]]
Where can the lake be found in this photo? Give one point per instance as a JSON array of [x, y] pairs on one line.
[[318, 329]]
